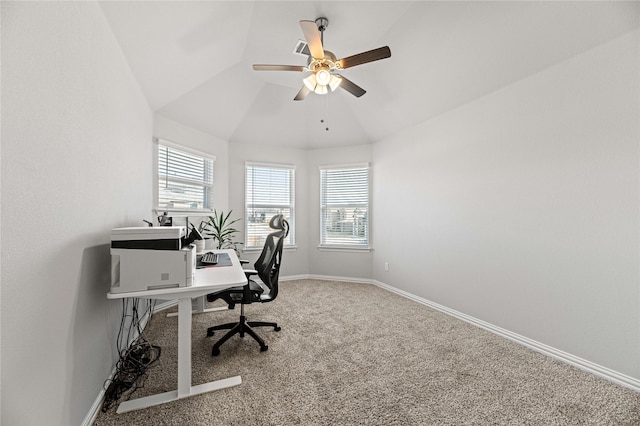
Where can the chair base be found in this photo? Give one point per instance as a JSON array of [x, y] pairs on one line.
[[241, 328]]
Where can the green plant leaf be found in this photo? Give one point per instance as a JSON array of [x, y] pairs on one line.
[[219, 228]]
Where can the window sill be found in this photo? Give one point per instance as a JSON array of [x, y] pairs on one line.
[[353, 249], [184, 212], [259, 249]]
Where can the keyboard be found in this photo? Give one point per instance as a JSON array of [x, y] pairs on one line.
[[209, 258]]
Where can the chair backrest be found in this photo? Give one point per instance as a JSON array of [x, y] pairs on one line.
[[268, 264]]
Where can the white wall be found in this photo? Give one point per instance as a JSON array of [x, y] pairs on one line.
[[337, 263], [76, 131], [522, 208]]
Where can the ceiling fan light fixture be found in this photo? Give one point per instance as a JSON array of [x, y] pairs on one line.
[[310, 82], [321, 81], [313, 85], [321, 90], [334, 83], [323, 76]]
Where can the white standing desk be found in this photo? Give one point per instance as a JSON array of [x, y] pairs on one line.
[[207, 280]]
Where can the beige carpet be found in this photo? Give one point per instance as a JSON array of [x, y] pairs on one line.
[[355, 354]]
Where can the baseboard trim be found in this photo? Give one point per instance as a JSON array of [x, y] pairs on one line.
[[294, 277], [165, 305], [97, 404], [582, 364], [325, 278]]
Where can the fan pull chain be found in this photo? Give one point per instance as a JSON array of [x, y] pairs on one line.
[[325, 112]]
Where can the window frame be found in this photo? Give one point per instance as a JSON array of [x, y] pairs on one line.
[[157, 142], [290, 242], [333, 245]]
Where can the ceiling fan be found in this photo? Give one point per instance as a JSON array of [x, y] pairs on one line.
[[324, 66]]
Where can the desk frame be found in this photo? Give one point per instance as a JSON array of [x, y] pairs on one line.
[[222, 277]]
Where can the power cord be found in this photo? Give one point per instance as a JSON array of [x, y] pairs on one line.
[[131, 368]]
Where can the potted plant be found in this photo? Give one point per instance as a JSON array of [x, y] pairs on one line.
[[219, 227]]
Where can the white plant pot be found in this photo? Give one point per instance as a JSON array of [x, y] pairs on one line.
[[199, 245]]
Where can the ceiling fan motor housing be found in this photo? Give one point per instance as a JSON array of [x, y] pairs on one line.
[[329, 60], [322, 24]]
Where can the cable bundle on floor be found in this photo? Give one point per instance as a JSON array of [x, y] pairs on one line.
[[135, 359]]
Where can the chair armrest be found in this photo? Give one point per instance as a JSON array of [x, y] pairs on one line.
[[250, 272]]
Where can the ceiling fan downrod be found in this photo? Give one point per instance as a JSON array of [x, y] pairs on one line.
[[322, 24]]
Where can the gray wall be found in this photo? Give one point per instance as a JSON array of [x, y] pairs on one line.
[[305, 258], [295, 261], [337, 263], [76, 136], [521, 208], [189, 137]]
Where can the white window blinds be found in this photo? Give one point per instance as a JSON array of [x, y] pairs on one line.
[[344, 206], [269, 190], [185, 178]]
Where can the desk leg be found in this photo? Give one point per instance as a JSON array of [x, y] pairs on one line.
[[184, 347], [185, 389]]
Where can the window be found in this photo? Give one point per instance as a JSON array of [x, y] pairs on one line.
[[269, 190], [344, 206], [185, 178]]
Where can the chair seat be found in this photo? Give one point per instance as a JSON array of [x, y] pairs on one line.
[[235, 295]]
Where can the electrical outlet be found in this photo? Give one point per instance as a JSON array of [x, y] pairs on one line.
[[386, 266]]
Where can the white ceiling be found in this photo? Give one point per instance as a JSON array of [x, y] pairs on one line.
[[193, 60]]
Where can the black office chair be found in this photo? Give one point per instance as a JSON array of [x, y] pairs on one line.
[[267, 267]]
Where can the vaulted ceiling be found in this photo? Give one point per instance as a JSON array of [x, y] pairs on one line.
[[193, 60]]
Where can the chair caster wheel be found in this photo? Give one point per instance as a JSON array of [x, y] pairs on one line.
[[210, 333], [215, 352], [276, 328], [264, 348]]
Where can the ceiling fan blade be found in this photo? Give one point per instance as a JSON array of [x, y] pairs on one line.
[[302, 93], [312, 35], [264, 67], [351, 87], [364, 57]]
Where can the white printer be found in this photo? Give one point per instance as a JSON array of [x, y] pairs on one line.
[[150, 258]]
